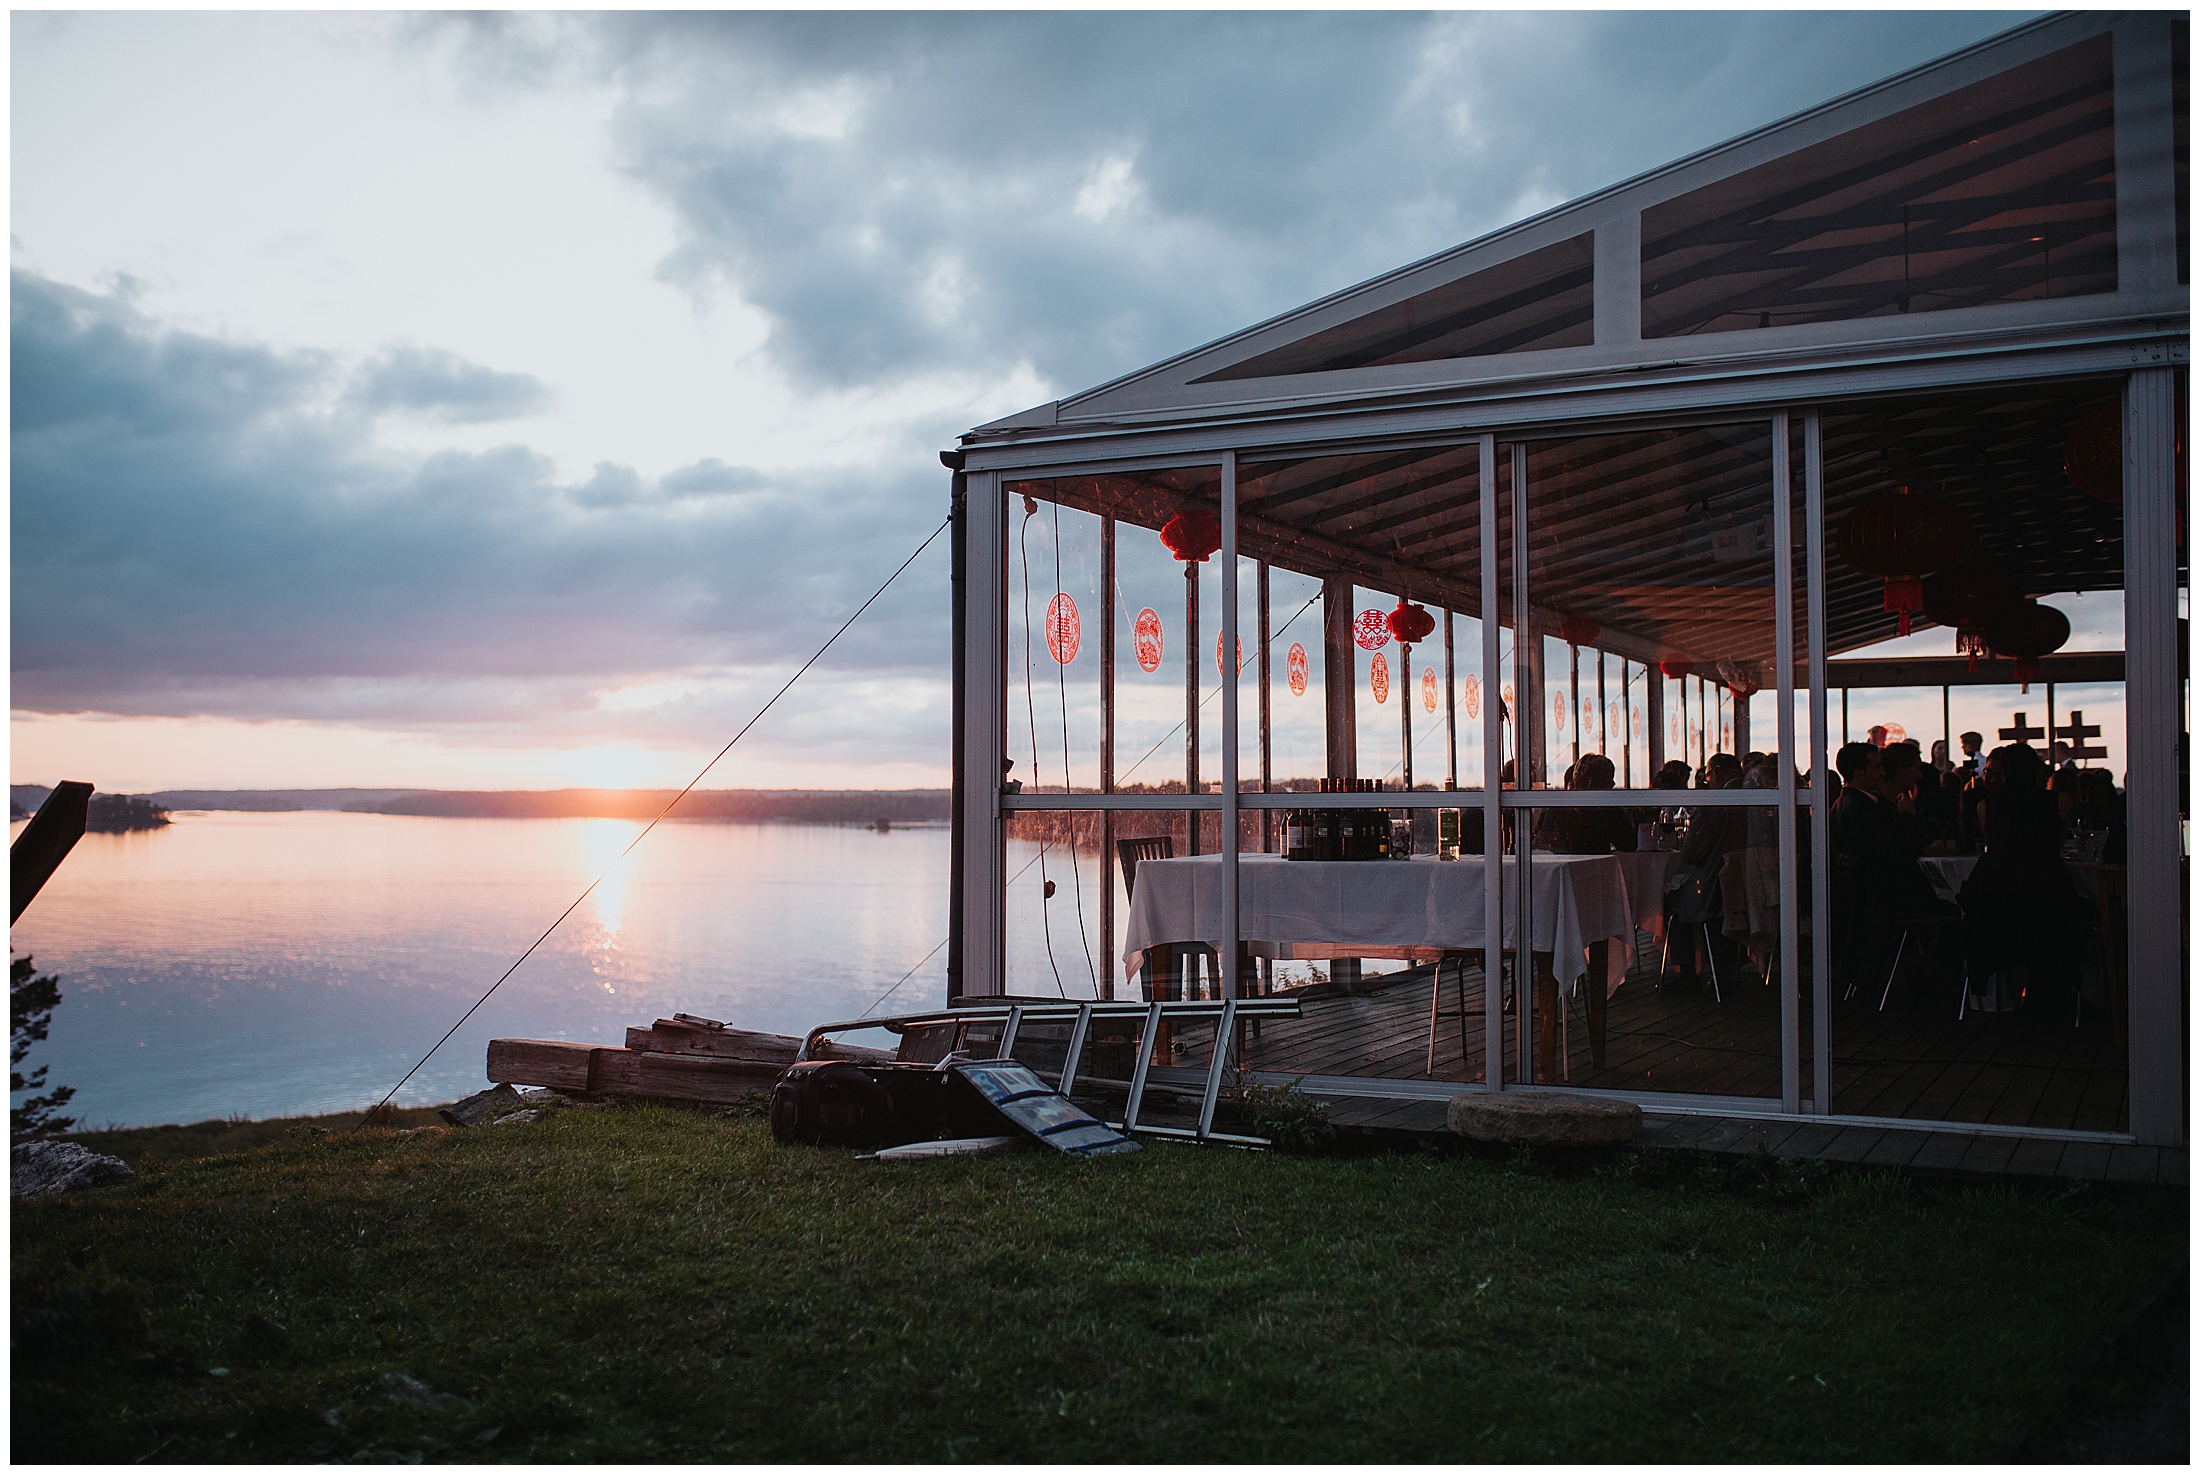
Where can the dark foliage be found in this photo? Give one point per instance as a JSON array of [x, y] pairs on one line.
[[32, 998]]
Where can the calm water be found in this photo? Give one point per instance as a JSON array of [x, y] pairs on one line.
[[275, 964]]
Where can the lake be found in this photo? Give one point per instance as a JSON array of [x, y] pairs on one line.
[[277, 964]]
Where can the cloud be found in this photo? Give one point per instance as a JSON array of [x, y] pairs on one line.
[[443, 387], [907, 194], [199, 529]]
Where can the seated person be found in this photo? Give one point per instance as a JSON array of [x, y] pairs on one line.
[[2101, 807], [1673, 774], [2021, 912], [1877, 884], [1586, 831]]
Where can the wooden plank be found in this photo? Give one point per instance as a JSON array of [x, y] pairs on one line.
[[2036, 1157], [2133, 1164], [701, 1078], [1988, 1155], [1809, 1139], [1940, 1152], [558, 1064], [1853, 1144], [1895, 1148], [2084, 1160]]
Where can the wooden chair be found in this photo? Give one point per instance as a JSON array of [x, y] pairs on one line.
[[1169, 977]]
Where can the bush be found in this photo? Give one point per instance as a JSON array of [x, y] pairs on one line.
[[1289, 1118]]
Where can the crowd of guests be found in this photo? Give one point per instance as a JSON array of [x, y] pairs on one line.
[[2017, 914]]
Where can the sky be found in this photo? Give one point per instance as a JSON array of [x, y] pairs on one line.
[[515, 401]]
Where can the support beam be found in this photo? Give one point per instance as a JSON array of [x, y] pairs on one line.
[[1337, 678], [2155, 721]]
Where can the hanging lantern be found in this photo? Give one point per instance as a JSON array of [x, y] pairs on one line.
[[2024, 632], [1192, 535], [1579, 630], [1967, 597], [1409, 623], [1902, 538], [1673, 668], [2093, 453], [1742, 678]]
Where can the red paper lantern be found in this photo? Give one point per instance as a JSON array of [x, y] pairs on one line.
[[2024, 632], [1192, 535], [2093, 453], [1579, 630], [1903, 538], [1409, 623], [1967, 597], [1673, 668]]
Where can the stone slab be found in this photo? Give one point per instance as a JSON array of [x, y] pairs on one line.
[[1544, 1119]]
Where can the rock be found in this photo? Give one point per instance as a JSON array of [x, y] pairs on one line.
[[542, 1096], [1544, 1119], [510, 1118], [481, 1107], [40, 1168]]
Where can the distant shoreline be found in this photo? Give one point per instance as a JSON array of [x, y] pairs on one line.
[[801, 806]]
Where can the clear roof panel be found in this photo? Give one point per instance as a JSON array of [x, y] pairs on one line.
[[2004, 191], [1544, 299]]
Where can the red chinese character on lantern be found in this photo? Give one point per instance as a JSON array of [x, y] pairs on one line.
[[1473, 697], [1146, 640], [1428, 689], [1063, 629], [1369, 632], [1294, 668], [1378, 678]]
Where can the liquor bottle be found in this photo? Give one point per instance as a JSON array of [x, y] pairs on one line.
[[1381, 827]]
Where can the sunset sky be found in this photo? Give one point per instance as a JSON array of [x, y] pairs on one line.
[[513, 402]]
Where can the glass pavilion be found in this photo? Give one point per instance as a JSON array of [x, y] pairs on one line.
[[1611, 450]]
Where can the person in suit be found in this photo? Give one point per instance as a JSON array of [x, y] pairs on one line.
[[1972, 761], [1587, 831], [1877, 884]]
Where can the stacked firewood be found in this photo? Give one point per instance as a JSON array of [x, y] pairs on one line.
[[684, 1058]]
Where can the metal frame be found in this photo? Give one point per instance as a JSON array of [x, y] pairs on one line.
[[1226, 1013], [2139, 333]]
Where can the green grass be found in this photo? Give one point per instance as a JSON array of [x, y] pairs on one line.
[[653, 1284]]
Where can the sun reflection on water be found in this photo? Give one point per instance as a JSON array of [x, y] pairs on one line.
[[601, 844]]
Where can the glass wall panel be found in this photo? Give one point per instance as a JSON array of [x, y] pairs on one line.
[[1976, 931], [1656, 545], [2004, 191], [1054, 716], [1641, 978], [1055, 945], [1298, 739]]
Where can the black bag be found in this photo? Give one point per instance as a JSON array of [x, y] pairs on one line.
[[830, 1103], [833, 1103]]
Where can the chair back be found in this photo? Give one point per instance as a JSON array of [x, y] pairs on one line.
[[1145, 847]]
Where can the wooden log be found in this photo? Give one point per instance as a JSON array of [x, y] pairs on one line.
[[558, 1064], [700, 1078]]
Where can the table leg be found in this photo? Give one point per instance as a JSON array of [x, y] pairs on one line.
[[1599, 960], [1546, 1019]]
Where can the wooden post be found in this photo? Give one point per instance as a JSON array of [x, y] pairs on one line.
[[45, 842], [1338, 691]]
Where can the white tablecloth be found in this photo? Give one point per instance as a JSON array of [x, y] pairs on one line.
[[1646, 873], [1579, 900], [1948, 872]]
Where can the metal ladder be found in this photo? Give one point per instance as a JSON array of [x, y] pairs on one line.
[[1012, 1016]]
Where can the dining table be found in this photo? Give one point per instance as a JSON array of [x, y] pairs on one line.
[[1582, 916]]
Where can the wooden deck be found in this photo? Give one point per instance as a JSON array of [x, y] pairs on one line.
[[1915, 1060]]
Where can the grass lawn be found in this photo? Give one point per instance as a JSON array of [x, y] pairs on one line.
[[654, 1284]]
